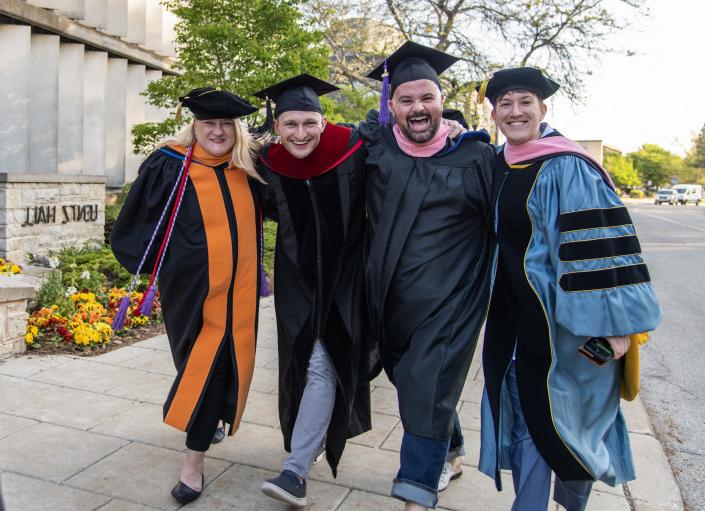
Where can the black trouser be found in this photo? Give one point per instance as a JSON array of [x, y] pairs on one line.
[[200, 435]]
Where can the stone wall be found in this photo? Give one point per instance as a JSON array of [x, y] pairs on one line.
[[43, 212], [15, 291]]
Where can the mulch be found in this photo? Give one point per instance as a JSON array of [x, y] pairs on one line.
[[117, 341]]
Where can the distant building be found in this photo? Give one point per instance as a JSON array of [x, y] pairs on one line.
[[71, 77], [598, 149], [71, 74]]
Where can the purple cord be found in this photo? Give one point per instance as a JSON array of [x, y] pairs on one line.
[[119, 319]]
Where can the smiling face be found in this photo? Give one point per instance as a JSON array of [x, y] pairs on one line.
[[216, 136], [417, 108], [518, 114], [300, 132]]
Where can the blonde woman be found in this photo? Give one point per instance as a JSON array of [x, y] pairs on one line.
[[192, 217]]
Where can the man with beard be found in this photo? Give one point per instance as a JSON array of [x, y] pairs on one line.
[[428, 250], [315, 190]]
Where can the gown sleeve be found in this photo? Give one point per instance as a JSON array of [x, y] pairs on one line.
[[142, 209], [478, 185], [603, 287], [267, 194]]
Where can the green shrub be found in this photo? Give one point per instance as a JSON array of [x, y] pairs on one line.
[[270, 236], [637, 194], [53, 292], [112, 212]]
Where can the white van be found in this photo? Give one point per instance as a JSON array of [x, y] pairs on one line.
[[689, 193]]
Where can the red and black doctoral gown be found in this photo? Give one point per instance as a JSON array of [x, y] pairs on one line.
[[318, 275], [209, 285]]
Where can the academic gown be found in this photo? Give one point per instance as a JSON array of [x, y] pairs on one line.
[[318, 273], [209, 281], [428, 251], [569, 267]]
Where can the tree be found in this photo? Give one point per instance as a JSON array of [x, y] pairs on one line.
[[696, 158], [622, 171], [656, 164], [349, 104], [694, 169], [237, 45], [563, 37]]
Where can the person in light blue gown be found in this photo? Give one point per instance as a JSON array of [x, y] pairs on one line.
[[568, 268]]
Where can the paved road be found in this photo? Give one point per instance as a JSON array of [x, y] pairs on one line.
[[673, 363]]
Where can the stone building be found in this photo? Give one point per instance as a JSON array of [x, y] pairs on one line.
[[598, 149], [71, 77]]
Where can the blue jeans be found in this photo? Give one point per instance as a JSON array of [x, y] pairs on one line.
[[530, 472], [422, 461]]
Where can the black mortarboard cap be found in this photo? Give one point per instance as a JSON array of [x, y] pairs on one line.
[[299, 93], [518, 78], [410, 62], [455, 115], [413, 61], [209, 103]]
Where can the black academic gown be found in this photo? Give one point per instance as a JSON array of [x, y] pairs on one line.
[[209, 271], [318, 275], [428, 250]]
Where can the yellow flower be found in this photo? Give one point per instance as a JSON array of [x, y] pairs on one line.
[[14, 268], [28, 338]]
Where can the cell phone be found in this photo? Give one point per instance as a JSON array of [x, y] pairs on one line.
[[597, 350]]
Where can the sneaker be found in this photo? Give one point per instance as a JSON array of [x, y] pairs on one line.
[[319, 456], [447, 475], [287, 487]]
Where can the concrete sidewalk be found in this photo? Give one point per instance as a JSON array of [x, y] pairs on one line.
[[87, 433]]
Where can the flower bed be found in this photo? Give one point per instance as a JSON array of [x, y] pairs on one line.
[[75, 306], [83, 320]]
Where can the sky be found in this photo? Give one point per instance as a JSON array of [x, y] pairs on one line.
[[655, 96]]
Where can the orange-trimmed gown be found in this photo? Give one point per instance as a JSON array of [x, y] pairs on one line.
[[209, 282]]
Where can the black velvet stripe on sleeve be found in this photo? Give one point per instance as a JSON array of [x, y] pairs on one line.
[[594, 218], [598, 248], [605, 279]]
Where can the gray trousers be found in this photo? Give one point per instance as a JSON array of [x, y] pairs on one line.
[[315, 411]]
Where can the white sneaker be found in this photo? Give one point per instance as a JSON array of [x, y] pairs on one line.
[[447, 475]]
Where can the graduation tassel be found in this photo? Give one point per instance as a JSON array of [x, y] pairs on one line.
[[119, 319], [148, 300], [482, 91], [384, 101], [263, 287]]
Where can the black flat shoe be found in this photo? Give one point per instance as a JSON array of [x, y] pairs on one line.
[[219, 435], [185, 494]]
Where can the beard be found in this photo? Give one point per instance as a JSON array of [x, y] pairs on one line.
[[420, 137]]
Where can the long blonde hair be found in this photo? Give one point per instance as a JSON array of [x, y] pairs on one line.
[[244, 151]]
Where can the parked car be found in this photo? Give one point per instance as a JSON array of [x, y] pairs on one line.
[[667, 195], [689, 193]]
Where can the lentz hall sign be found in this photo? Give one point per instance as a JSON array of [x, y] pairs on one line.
[[69, 213], [44, 212]]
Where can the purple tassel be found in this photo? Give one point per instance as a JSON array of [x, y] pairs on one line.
[[263, 287], [146, 307], [119, 319], [384, 102]]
